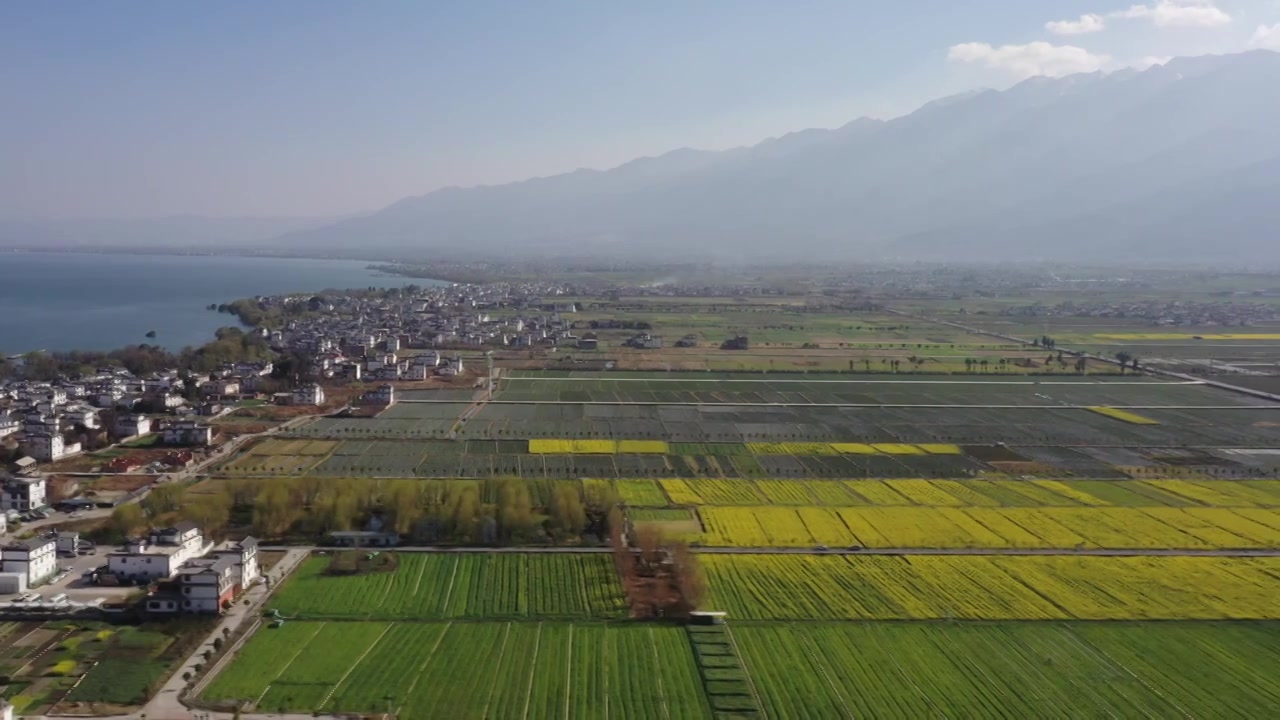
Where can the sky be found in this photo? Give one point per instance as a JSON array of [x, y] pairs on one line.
[[316, 108]]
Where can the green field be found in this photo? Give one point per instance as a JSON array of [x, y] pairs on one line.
[[458, 585], [476, 669], [1016, 670], [539, 635]]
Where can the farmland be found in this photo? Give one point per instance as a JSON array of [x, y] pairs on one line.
[[987, 533], [805, 459], [1027, 528], [408, 640], [912, 670], [472, 586], [974, 587], [478, 670]]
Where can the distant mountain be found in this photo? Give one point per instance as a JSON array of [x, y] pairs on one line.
[[1180, 161], [179, 232], [1177, 162]]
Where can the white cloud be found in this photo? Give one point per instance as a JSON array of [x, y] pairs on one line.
[[1023, 61], [1177, 13], [1088, 23], [1151, 61], [1266, 37]]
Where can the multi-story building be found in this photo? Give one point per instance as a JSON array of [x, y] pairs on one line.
[[210, 583], [36, 559], [133, 425], [45, 446], [188, 432], [308, 395], [159, 556], [381, 395], [9, 425], [23, 494]]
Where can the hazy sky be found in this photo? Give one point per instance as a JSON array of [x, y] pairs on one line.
[[134, 108]]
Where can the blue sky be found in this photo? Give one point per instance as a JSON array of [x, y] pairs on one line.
[[130, 109]]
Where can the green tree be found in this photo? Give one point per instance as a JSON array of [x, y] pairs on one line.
[[464, 514], [403, 502], [128, 519], [274, 511], [211, 512], [568, 516], [163, 499], [515, 511]]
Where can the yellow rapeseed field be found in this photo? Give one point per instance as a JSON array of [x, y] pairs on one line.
[[897, 449], [987, 527], [644, 447], [868, 587], [1124, 415], [853, 448], [546, 446]]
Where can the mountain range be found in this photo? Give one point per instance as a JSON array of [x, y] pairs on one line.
[[1180, 161]]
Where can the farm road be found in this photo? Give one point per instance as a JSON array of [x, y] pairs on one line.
[[842, 551]]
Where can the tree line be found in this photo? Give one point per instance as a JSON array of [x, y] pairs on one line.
[[230, 345], [485, 512]]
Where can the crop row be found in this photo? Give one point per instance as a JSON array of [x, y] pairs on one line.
[[469, 585], [1025, 670], [955, 493], [972, 587], [1049, 527], [475, 670]]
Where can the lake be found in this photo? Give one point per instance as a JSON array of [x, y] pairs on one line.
[[64, 301]]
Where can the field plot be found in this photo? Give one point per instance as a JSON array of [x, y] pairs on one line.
[[890, 410], [1022, 670], [970, 587], [1229, 425], [281, 457], [1116, 528], [859, 389], [402, 421], [469, 585], [475, 669]]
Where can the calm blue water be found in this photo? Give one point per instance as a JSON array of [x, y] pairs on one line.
[[63, 301]]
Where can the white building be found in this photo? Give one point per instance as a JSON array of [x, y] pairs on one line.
[[209, 584], [382, 395], [9, 425], [157, 557], [205, 585], [87, 417], [23, 494], [46, 447], [133, 425], [188, 432], [245, 554], [36, 558], [308, 395]]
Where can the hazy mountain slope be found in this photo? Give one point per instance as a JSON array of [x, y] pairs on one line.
[[1017, 174]]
